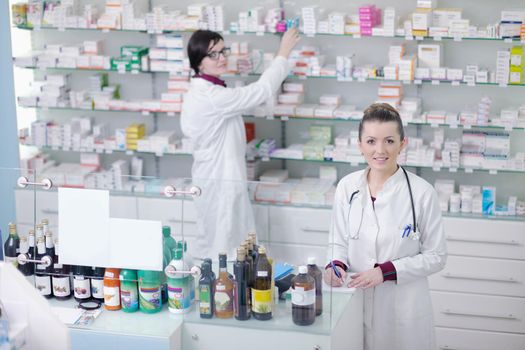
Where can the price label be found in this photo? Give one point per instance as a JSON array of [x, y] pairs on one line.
[[302, 77], [455, 83], [240, 32], [419, 38], [145, 112], [453, 170], [109, 151], [469, 170], [226, 32], [171, 114], [45, 108], [100, 150], [437, 38], [493, 172], [435, 82], [434, 125], [151, 31], [55, 148], [508, 127], [508, 40], [37, 28], [458, 38], [471, 83], [265, 159], [159, 154], [409, 37], [159, 31], [418, 81], [129, 152], [354, 164], [361, 79], [407, 82], [105, 30], [436, 168], [453, 126], [61, 29], [270, 117], [259, 34], [285, 118], [405, 123], [357, 36], [310, 35], [121, 68], [502, 85], [345, 79], [134, 71]]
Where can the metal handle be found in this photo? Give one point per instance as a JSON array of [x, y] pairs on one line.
[[446, 347], [195, 337], [459, 313], [461, 239], [310, 229], [317, 347], [480, 278], [171, 271], [23, 182], [174, 220], [170, 191], [23, 259], [49, 211]]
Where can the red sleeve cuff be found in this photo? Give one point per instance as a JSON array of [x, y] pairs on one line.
[[389, 271], [337, 263]]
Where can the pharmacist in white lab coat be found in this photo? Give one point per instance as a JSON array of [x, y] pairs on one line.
[[212, 120], [373, 238]]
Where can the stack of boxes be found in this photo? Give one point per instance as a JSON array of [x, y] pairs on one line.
[[391, 93], [346, 148], [429, 62], [168, 55], [215, 18], [369, 17], [395, 55], [344, 67], [251, 20], [517, 62], [309, 17], [327, 106], [511, 23], [389, 21], [503, 67], [130, 58], [336, 23], [134, 132], [272, 19], [320, 136], [291, 97], [306, 61]]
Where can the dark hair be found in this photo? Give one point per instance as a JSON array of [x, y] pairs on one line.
[[199, 45], [382, 112]]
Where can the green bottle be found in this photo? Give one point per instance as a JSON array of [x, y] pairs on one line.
[[172, 243], [129, 297], [166, 258], [150, 299]]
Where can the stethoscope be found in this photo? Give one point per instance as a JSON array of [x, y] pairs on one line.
[[406, 232]]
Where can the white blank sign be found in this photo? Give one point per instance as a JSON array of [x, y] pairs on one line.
[[88, 236]]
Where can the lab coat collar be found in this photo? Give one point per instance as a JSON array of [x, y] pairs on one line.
[[391, 181], [211, 79]]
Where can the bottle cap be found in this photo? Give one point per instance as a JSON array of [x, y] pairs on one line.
[[303, 269], [262, 250], [166, 231], [241, 254], [312, 260], [45, 221], [177, 253]]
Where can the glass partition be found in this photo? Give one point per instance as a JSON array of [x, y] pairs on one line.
[[153, 245]]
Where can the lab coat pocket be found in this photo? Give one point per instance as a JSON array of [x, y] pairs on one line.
[[408, 241]]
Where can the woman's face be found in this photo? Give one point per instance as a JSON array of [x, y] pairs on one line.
[[381, 144], [216, 64]]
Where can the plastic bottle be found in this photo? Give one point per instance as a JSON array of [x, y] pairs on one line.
[[317, 274], [303, 298], [189, 263], [128, 290], [179, 299], [112, 289], [150, 299], [172, 243], [206, 291]]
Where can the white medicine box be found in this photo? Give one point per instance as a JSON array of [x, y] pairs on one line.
[[429, 55]]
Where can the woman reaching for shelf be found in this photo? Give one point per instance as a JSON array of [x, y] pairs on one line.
[[387, 234], [212, 120]]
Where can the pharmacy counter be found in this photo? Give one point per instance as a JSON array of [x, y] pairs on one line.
[[340, 329]]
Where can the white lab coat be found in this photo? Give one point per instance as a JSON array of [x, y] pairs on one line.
[[397, 315], [212, 119]]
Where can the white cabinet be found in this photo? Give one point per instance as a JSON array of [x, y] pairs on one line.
[[479, 298]]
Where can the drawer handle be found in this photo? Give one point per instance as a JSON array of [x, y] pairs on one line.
[[311, 229], [446, 347], [183, 221], [174, 220], [459, 313], [49, 211], [462, 239], [481, 278]]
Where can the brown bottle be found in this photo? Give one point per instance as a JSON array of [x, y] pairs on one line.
[[262, 287], [315, 272], [303, 298], [223, 286]]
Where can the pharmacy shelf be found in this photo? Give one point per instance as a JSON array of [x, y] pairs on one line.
[[434, 168], [128, 152], [142, 194], [286, 118], [305, 77], [60, 69], [228, 32], [71, 109]]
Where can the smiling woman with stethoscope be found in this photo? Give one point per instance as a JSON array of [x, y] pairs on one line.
[[387, 233]]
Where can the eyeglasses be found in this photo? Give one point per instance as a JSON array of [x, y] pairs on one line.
[[214, 55]]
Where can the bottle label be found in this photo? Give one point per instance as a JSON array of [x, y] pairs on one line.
[[179, 296], [205, 299], [111, 296], [11, 260], [43, 284], [261, 301], [223, 301], [97, 288], [150, 297], [262, 273], [301, 297], [61, 286], [81, 288], [129, 296]]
